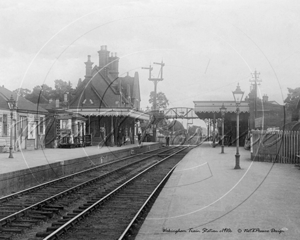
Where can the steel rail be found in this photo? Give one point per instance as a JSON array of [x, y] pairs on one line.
[[135, 218], [52, 198], [62, 229], [27, 190]]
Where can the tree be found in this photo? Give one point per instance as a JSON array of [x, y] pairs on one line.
[[176, 126], [291, 102], [40, 94], [23, 92], [61, 87], [161, 100], [43, 93], [194, 129], [48, 92], [163, 126]]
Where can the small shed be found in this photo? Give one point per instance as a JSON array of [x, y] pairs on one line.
[[209, 111]]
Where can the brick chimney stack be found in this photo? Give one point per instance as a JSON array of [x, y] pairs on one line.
[[114, 65], [265, 98], [57, 103], [88, 67], [103, 57]]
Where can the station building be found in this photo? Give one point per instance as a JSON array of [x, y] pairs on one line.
[[28, 123], [261, 114], [210, 112], [265, 113], [110, 103]]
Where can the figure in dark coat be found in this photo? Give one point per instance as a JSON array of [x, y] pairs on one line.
[[139, 138], [167, 140]]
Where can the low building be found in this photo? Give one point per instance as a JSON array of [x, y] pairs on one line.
[[28, 122], [210, 110], [265, 114], [260, 114]]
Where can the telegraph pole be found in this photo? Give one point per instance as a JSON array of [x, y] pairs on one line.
[[255, 80], [155, 81]]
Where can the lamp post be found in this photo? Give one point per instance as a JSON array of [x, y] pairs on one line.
[[238, 95], [207, 122], [11, 104], [214, 131], [223, 110]]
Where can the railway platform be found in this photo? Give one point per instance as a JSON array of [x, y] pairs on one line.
[[205, 198], [29, 168]]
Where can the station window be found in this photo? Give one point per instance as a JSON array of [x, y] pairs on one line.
[[23, 125], [64, 124], [41, 125], [4, 125]]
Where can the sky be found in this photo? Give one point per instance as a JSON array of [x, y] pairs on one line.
[[208, 46]]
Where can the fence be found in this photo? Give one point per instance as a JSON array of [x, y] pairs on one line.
[[280, 147]]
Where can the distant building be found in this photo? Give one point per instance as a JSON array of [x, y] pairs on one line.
[[28, 122], [210, 111], [111, 103], [266, 114]]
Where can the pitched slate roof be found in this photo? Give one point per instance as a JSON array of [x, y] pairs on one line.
[[95, 92], [103, 91], [23, 104], [269, 106]]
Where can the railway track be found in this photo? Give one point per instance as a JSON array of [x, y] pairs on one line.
[[119, 213], [22, 212]]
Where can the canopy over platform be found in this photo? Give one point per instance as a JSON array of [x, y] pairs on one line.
[[211, 109], [113, 112]]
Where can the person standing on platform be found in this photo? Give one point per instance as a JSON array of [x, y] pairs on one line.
[[167, 140], [139, 138], [119, 138]]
